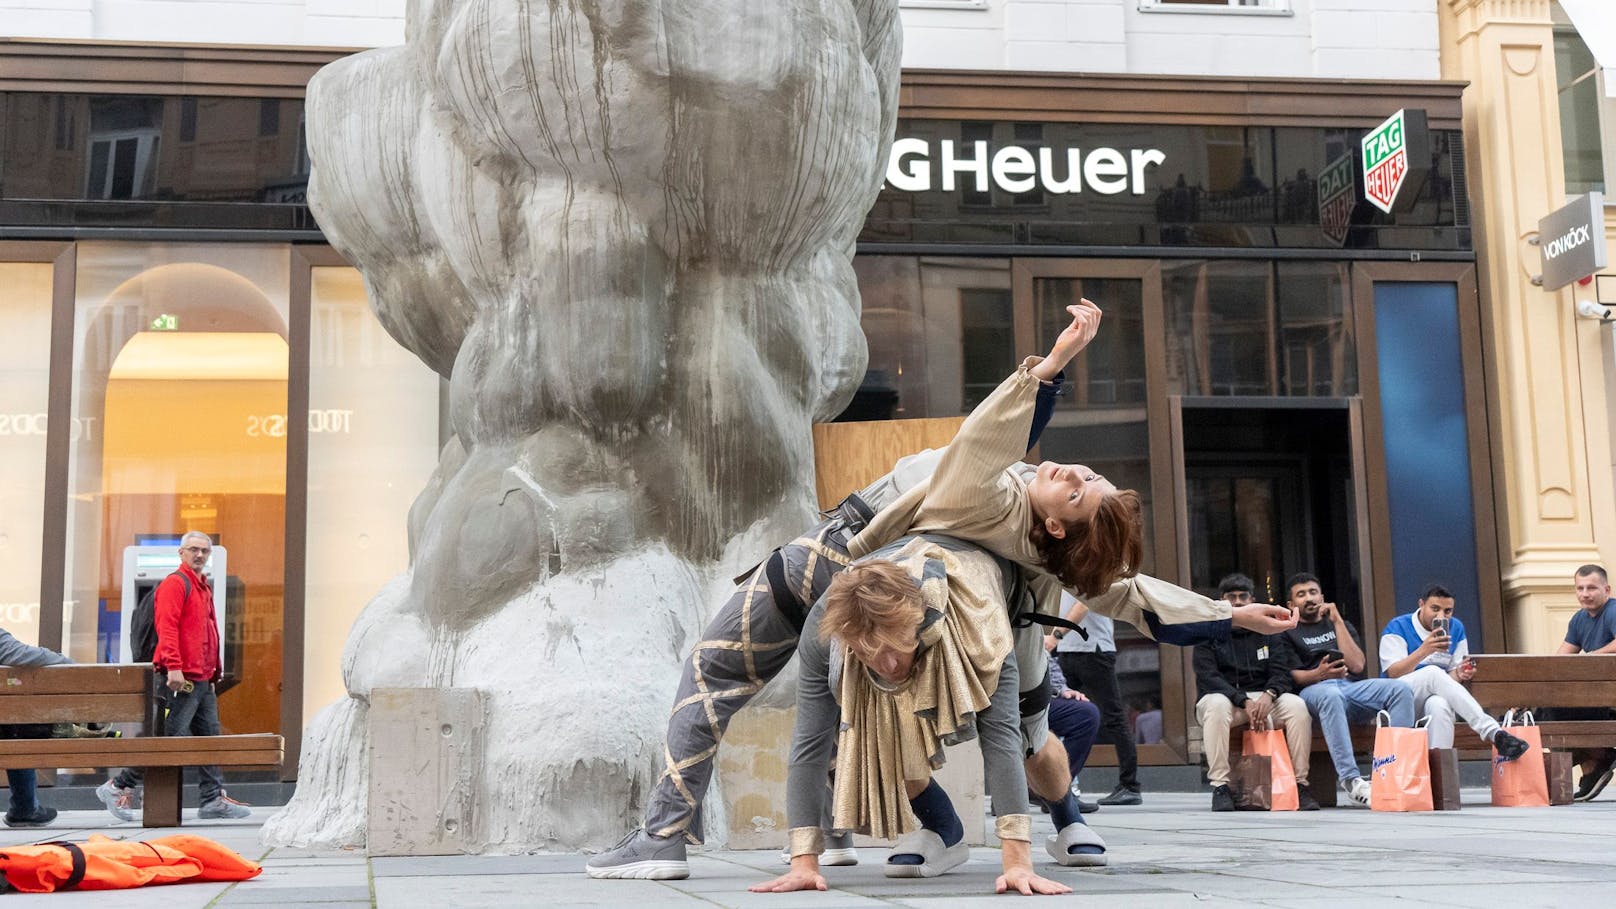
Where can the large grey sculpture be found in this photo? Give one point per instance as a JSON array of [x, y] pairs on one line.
[[623, 230]]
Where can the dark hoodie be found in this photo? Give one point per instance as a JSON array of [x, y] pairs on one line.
[[1247, 661]]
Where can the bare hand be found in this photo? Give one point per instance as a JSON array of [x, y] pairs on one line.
[[1262, 618], [1076, 336], [176, 680], [1465, 671], [1071, 695], [1435, 642], [1330, 669], [1049, 642], [1025, 882], [791, 881], [1328, 613], [1257, 709]]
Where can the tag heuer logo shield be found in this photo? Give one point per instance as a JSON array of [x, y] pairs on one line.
[[1385, 161], [1337, 198]]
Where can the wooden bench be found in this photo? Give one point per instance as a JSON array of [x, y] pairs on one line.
[[1505, 681], [1502, 682], [116, 693]]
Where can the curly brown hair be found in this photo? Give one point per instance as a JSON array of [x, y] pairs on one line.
[[871, 604], [1095, 554]]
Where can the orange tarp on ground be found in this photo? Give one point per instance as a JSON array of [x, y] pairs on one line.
[[108, 864]]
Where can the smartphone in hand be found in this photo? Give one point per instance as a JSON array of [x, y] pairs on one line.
[[1334, 656]]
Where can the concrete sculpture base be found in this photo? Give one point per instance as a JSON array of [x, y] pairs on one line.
[[623, 230]]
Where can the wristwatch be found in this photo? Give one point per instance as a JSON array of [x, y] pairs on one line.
[[1059, 633]]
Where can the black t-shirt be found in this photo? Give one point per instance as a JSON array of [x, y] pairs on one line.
[[1309, 643]]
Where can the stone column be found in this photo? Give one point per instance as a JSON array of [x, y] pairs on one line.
[[1551, 437]]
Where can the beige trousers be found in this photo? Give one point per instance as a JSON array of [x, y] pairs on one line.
[[1217, 714]]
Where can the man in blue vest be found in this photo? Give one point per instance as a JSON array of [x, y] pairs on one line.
[[1427, 649]]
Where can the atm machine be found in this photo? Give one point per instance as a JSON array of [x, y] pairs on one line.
[[153, 558]]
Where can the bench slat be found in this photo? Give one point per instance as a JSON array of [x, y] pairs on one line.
[[1550, 668], [1499, 696], [259, 749], [87, 678], [74, 708]]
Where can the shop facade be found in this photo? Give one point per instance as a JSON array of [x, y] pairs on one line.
[[1291, 378]]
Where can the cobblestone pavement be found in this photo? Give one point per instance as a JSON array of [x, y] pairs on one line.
[[1168, 852]]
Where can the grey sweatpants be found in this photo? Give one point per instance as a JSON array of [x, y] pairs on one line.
[[745, 645]]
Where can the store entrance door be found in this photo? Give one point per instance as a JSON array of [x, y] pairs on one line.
[[1272, 487]]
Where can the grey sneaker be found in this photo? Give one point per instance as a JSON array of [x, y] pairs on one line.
[[120, 801], [641, 856], [222, 806]]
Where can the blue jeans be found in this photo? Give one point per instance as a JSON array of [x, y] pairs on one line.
[[1338, 703], [23, 783], [189, 713], [1076, 724]]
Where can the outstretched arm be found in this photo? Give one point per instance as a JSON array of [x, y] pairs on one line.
[[1072, 339]]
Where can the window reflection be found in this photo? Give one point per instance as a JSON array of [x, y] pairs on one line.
[[1260, 328], [25, 310], [939, 332], [135, 147]]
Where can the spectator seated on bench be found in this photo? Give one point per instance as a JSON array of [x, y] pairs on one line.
[[1593, 630], [1327, 660], [1427, 650], [25, 810], [1245, 680]]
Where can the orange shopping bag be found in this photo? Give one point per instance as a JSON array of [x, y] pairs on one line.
[[1521, 783], [1270, 742], [1400, 777]]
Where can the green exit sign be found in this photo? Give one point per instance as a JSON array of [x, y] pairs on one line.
[[165, 322]]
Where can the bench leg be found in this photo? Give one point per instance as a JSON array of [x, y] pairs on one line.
[[1323, 782], [162, 802]]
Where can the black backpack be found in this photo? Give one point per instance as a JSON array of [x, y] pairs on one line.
[[143, 622]]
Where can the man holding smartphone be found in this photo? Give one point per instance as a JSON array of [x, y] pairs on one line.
[[1328, 663], [1428, 651]]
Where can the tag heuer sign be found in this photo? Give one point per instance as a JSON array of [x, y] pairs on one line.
[[1338, 196], [1385, 161]]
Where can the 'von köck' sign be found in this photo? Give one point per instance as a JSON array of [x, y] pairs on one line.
[[1385, 161]]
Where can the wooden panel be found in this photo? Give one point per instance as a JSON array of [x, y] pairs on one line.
[[1140, 98], [163, 797], [108, 678], [1503, 695], [177, 751], [44, 65], [1581, 667], [850, 456], [74, 708]]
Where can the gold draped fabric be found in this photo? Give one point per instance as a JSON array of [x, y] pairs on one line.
[[890, 734]]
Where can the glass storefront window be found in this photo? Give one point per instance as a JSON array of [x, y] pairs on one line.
[[180, 356], [25, 310], [939, 332], [1577, 74], [1260, 328], [373, 443]]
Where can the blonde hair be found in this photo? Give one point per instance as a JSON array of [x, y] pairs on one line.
[[872, 604]]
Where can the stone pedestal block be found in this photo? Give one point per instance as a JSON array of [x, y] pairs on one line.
[[752, 775], [424, 744]]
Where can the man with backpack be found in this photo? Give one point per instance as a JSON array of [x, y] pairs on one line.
[[186, 654]]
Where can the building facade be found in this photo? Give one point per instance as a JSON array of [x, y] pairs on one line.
[[1292, 377]]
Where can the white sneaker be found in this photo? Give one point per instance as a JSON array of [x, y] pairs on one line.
[[1357, 789]]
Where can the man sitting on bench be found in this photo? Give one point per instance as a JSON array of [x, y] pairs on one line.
[[1428, 651], [25, 809], [1328, 660], [1591, 630]]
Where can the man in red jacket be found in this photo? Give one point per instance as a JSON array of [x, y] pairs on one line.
[[188, 654]]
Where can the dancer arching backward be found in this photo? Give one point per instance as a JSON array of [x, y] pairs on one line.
[[749, 641]]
